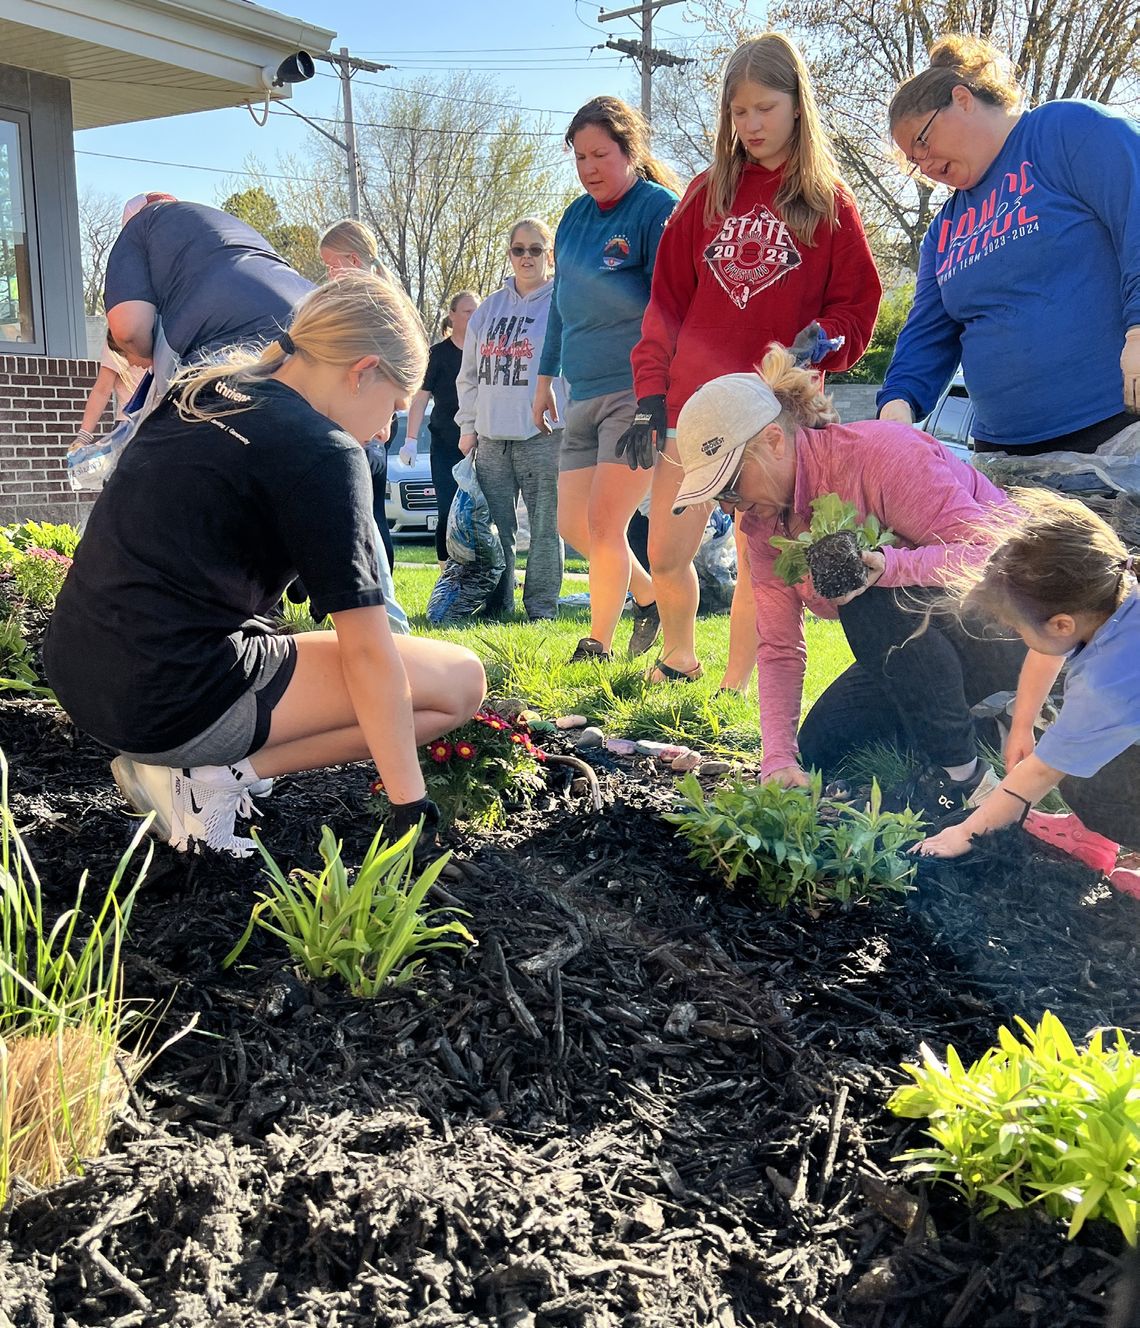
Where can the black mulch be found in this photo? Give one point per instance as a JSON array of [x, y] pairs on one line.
[[640, 1101]]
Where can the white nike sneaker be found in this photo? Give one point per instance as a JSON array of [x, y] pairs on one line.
[[260, 788], [186, 811]]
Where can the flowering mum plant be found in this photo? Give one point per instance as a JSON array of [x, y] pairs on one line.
[[477, 771]]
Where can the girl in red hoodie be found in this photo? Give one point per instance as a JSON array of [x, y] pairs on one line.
[[766, 245]]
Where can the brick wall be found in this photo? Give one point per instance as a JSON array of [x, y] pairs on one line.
[[41, 405]]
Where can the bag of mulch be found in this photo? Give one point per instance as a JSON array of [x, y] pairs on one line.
[[475, 559], [716, 563]]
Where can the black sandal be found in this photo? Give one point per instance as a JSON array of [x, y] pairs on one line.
[[670, 674]]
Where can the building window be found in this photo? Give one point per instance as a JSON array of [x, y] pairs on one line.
[[18, 294]]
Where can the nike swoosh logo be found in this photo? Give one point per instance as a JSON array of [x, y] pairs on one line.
[[194, 807]]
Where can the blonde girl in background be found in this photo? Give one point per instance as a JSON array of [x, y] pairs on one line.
[[766, 246], [496, 395], [164, 644], [1064, 582]]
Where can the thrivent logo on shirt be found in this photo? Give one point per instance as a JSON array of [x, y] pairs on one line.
[[616, 251], [750, 253]]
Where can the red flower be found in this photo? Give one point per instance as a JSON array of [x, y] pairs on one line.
[[465, 751], [493, 722], [377, 786], [439, 751], [518, 738]]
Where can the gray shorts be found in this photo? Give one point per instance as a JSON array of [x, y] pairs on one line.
[[593, 427], [244, 728]]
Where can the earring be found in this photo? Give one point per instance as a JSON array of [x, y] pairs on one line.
[[356, 388]]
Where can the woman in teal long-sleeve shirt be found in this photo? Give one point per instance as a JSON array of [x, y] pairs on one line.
[[605, 249]]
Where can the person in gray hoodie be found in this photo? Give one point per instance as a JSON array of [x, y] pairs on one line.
[[496, 394]]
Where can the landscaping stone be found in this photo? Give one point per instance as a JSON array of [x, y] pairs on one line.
[[621, 746], [570, 722], [590, 737], [715, 768], [686, 761]]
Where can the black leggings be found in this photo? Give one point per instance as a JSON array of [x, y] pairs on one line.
[[445, 456], [916, 694]]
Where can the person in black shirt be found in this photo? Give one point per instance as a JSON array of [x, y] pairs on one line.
[[251, 473], [444, 360]]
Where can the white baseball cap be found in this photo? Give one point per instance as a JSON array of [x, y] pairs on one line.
[[133, 206], [713, 428]]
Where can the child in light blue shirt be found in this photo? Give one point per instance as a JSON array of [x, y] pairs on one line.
[[1064, 581]]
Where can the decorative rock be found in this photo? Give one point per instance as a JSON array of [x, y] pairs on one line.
[[540, 726], [570, 722], [681, 1019], [590, 737], [648, 748], [621, 746], [686, 761], [715, 768], [530, 716]]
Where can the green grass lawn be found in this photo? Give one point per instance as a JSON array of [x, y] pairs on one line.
[[423, 551], [528, 660]]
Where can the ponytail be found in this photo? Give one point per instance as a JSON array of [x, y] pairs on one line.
[[803, 403]]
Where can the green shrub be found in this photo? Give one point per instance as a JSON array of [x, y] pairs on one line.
[[39, 575], [17, 673], [790, 844], [872, 368], [1035, 1121], [366, 931], [61, 538]]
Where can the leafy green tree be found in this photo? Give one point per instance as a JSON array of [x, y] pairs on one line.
[[295, 242], [892, 315]]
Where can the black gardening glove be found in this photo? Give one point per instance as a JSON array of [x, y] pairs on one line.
[[645, 437], [402, 816]]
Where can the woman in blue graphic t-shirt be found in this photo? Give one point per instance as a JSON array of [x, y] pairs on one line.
[[1033, 259]]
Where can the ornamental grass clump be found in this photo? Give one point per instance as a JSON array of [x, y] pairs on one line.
[[831, 549], [367, 931], [478, 771], [64, 1069], [1035, 1121], [791, 844]]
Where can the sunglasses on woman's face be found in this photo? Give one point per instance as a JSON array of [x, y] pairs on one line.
[[522, 250], [730, 493]]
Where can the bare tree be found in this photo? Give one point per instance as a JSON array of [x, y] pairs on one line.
[[446, 168], [100, 217], [860, 51]]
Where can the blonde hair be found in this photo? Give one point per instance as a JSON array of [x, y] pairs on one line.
[[803, 403], [446, 323], [629, 131], [811, 179], [1053, 555], [356, 239], [535, 224], [957, 60], [339, 323]]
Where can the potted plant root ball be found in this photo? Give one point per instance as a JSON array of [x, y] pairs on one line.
[[831, 549]]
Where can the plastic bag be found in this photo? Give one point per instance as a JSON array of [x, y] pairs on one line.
[[90, 466], [475, 560], [716, 563]]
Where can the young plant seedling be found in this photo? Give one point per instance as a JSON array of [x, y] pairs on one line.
[[831, 549]]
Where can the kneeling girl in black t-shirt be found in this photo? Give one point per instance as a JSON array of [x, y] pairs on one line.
[[250, 474]]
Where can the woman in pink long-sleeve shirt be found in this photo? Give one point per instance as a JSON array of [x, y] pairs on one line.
[[759, 443]]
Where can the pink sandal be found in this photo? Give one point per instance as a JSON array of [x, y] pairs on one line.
[[1069, 833]]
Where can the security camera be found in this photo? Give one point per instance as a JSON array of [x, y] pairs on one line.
[[295, 69]]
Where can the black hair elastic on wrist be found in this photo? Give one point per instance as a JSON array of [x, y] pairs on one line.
[[285, 341]]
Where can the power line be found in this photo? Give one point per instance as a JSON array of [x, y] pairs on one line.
[[467, 101], [214, 170], [432, 129]]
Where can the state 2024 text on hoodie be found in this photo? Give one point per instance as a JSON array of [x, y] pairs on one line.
[[1031, 278], [722, 293], [500, 364]]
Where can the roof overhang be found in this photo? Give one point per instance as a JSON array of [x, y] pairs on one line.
[[131, 60]]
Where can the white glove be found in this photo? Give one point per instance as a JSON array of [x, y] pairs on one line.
[[408, 452], [1130, 369], [898, 411]]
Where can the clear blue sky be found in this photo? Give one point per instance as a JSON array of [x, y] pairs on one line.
[[538, 50]]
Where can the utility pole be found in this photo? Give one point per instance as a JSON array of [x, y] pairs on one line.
[[346, 66], [645, 56]]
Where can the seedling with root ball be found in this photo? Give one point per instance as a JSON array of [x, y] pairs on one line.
[[831, 549]]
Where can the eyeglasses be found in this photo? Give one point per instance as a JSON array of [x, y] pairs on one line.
[[521, 250], [920, 148], [730, 494]]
